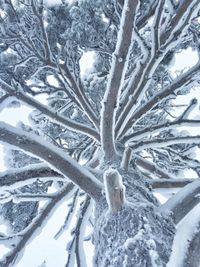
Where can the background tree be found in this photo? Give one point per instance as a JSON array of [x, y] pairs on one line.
[[108, 138]]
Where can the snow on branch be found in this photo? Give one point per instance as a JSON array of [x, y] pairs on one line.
[[152, 168], [141, 79], [70, 124], [178, 22], [39, 221], [169, 183], [78, 90], [156, 27], [23, 176], [142, 20], [186, 252], [193, 248], [75, 247], [187, 78], [69, 216], [158, 128], [161, 142], [183, 201], [117, 72], [115, 190], [126, 158], [56, 157]]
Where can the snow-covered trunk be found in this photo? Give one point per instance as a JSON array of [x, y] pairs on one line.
[[137, 234]]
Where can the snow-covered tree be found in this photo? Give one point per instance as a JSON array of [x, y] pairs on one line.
[[106, 140]]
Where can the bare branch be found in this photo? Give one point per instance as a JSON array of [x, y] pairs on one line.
[[137, 86], [126, 158]]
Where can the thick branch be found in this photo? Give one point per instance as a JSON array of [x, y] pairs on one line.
[[54, 156], [21, 176], [183, 201], [117, 73]]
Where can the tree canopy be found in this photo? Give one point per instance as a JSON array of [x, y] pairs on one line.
[[118, 132]]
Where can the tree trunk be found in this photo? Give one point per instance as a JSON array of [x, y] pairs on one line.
[[135, 236]]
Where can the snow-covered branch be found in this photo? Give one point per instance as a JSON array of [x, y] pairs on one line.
[[79, 91], [193, 248], [152, 168], [180, 19], [52, 155], [183, 201], [70, 124], [25, 236], [180, 82], [20, 177], [161, 142], [117, 72], [142, 78], [158, 128], [76, 245], [169, 183]]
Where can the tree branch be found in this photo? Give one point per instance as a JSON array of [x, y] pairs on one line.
[[193, 249], [182, 202], [158, 128], [36, 224], [151, 167], [117, 73], [160, 142], [183, 80], [54, 156], [169, 183], [22, 176], [179, 20], [70, 124]]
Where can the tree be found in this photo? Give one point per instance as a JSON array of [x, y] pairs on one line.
[[108, 138]]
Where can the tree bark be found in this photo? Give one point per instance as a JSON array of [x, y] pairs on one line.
[[137, 235]]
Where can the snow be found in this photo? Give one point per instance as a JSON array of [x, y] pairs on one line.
[[89, 58], [14, 115], [178, 65], [185, 231]]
